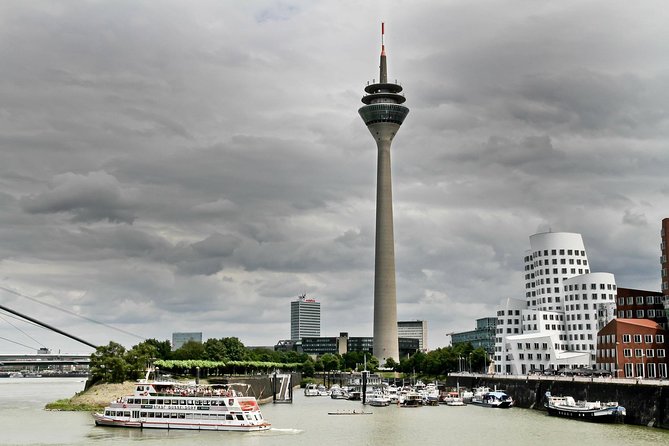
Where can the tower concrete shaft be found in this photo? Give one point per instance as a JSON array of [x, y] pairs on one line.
[[383, 115]]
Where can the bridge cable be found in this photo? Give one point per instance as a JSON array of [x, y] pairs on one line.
[[16, 293], [27, 335]]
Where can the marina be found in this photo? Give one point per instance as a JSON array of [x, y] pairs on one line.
[[306, 422]]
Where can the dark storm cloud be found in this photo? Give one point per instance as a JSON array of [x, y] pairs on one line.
[[92, 197]]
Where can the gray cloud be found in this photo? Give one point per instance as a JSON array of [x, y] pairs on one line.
[[195, 167]]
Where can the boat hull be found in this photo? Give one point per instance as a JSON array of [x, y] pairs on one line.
[[608, 415], [101, 420]]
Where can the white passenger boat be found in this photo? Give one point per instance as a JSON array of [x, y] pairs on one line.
[[378, 399], [169, 405], [453, 399], [495, 398], [311, 390], [596, 411]]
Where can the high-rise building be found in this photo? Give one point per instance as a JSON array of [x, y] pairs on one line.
[[383, 115], [664, 255], [565, 305], [414, 330], [179, 339], [305, 318]]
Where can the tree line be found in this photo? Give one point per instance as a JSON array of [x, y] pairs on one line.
[[115, 363]]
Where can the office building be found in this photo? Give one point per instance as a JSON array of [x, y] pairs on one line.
[[641, 304], [633, 348], [414, 330], [305, 318], [179, 339], [483, 336]]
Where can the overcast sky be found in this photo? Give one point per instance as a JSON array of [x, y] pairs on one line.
[[196, 165]]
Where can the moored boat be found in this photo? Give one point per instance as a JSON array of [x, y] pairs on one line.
[[453, 399], [411, 399], [170, 405], [496, 398], [378, 398], [311, 390], [595, 411]]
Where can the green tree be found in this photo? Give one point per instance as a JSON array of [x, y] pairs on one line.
[[390, 364], [214, 350], [163, 348], [308, 369], [331, 362], [190, 350], [234, 349], [108, 363], [140, 357]]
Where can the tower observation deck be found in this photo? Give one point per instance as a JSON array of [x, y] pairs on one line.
[[383, 115]]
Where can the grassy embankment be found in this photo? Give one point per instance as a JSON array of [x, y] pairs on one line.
[[93, 399]]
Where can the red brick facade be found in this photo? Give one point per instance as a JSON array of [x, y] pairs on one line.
[[633, 348]]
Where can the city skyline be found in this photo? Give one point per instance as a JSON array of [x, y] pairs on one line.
[[175, 167]]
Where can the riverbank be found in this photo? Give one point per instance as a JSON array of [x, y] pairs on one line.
[[94, 398]]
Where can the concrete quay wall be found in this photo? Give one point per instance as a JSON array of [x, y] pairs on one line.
[[646, 402]]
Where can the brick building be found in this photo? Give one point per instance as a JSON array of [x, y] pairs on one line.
[[641, 304], [633, 348]]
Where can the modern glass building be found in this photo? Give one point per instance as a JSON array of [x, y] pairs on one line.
[[483, 336], [305, 318], [179, 339]]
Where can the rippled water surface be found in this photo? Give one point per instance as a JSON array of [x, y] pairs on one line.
[[306, 422]]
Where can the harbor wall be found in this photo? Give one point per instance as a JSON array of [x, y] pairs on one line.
[[261, 385], [645, 404]]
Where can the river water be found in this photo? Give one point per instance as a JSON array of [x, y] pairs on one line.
[[306, 422]]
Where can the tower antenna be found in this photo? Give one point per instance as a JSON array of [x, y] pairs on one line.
[[383, 31]]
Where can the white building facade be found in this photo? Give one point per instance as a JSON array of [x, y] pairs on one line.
[[565, 305]]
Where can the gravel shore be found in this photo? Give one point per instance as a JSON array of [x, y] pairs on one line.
[[103, 394]]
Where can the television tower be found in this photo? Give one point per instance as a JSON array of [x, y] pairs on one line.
[[383, 115]]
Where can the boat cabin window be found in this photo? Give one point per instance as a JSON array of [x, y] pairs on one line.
[[239, 417], [229, 417]]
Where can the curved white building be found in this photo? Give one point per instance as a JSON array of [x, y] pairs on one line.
[[565, 305]]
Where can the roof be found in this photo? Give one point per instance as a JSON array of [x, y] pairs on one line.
[[639, 322]]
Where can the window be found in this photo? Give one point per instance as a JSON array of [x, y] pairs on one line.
[[637, 338], [650, 353], [648, 339], [660, 353], [626, 338], [627, 353], [639, 370], [638, 352], [659, 339], [628, 370]]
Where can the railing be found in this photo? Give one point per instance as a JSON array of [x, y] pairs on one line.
[[601, 379]]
